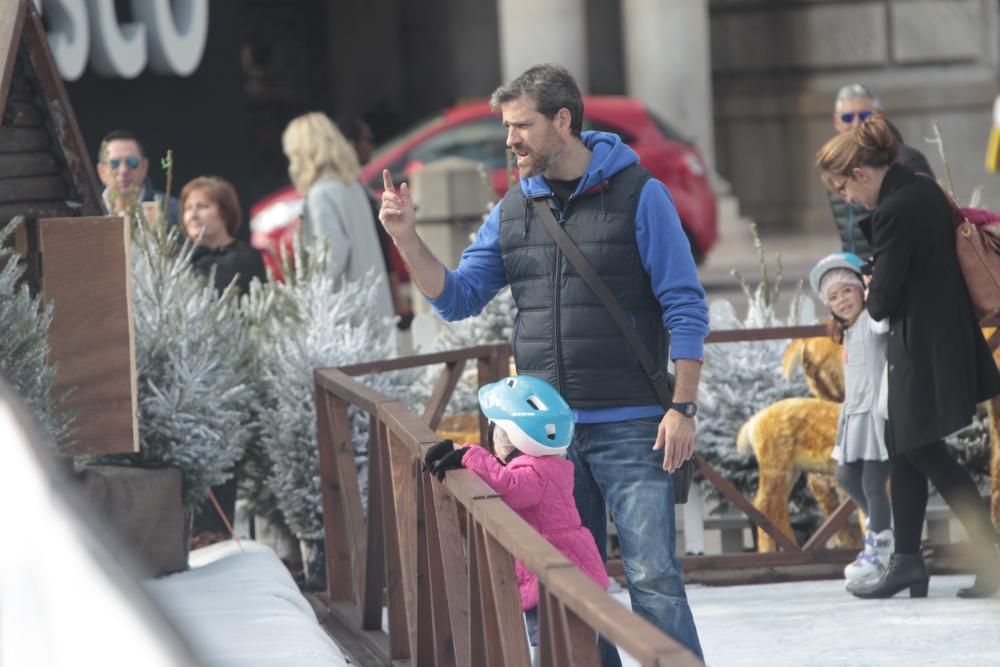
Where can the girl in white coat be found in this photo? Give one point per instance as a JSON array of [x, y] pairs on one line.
[[862, 458]]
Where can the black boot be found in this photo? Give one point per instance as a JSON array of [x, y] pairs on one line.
[[904, 571], [987, 580]]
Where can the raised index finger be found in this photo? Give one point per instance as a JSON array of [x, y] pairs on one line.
[[387, 181]]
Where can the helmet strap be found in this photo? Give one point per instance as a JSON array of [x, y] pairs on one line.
[[489, 437]]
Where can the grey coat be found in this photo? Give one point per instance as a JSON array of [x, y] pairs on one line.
[[861, 429], [341, 213]]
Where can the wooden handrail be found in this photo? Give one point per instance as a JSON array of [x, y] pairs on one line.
[[771, 333], [439, 556]]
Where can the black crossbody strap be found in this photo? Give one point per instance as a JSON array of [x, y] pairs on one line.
[[657, 376]]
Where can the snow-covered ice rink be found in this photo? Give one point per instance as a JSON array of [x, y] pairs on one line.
[[817, 623]]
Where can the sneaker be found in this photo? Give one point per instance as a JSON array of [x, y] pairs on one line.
[[871, 562], [852, 569]]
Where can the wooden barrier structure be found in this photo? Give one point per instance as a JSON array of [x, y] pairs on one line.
[[75, 256], [439, 556]]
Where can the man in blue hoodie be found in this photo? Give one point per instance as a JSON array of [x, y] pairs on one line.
[[626, 225]]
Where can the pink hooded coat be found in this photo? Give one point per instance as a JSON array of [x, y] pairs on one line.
[[540, 490]]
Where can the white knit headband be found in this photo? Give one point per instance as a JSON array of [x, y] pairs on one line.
[[836, 277]]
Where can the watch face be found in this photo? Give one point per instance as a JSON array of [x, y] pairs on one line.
[[686, 409]]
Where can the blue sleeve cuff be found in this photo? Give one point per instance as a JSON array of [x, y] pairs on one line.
[[687, 347]]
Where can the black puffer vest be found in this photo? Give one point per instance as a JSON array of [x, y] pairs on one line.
[[563, 333]]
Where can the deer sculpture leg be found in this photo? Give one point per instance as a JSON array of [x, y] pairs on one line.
[[787, 437], [824, 489], [773, 490]]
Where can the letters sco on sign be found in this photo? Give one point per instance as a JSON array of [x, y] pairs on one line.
[[168, 35]]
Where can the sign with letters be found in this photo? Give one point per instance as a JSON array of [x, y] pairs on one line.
[[167, 35]]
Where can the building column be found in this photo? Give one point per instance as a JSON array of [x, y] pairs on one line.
[[549, 31], [668, 64]]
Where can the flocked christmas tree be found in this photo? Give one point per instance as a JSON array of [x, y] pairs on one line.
[[738, 379], [495, 324], [304, 323], [24, 345], [195, 407]]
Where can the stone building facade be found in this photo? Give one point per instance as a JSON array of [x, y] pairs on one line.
[[776, 68]]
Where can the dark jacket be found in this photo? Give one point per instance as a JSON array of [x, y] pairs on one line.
[[657, 243], [849, 217], [148, 194], [563, 333], [173, 208], [940, 366], [237, 258]]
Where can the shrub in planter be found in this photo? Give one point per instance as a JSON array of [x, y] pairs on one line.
[[24, 346], [304, 323], [738, 379], [195, 407]]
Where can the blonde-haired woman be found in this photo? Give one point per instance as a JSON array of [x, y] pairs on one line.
[[939, 366], [324, 168]]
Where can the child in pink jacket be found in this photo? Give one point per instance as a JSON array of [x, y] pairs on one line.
[[532, 427]]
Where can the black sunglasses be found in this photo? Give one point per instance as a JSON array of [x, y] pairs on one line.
[[848, 116]]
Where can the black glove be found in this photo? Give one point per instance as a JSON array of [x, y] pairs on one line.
[[451, 461], [436, 453]]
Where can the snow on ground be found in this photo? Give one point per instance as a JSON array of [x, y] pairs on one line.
[[243, 609], [817, 623]]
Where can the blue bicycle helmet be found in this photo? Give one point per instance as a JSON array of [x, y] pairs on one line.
[[838, 260], [537, 419]]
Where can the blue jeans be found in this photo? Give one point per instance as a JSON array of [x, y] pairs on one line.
[[614, 464]]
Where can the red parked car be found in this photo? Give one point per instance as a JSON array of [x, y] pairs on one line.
[[474, 132]]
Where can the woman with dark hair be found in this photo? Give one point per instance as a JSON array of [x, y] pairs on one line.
[[211, 216], [939, 366]]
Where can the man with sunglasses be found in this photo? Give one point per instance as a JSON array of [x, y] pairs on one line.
[[854, 105], [123, 167]]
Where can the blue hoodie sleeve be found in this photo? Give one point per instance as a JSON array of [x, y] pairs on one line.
[[666, 255], [479, 276]]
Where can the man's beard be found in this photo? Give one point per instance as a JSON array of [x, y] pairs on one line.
[[544, 158]]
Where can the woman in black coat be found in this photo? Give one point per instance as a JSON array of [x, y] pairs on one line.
[[211, 216], [939, 365]]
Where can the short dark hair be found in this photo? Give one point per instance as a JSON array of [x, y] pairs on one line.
[[119, 135], [552, 88]]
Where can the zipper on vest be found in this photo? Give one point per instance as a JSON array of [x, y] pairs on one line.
[[563, 212], [557, 304]]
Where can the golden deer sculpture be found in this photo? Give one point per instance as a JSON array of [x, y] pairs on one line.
[[791, 437], [822, 363], [797, 435]]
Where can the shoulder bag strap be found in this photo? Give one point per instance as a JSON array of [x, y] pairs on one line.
[[657, 376]]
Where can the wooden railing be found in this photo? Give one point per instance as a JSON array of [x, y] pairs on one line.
[[438, 556]]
